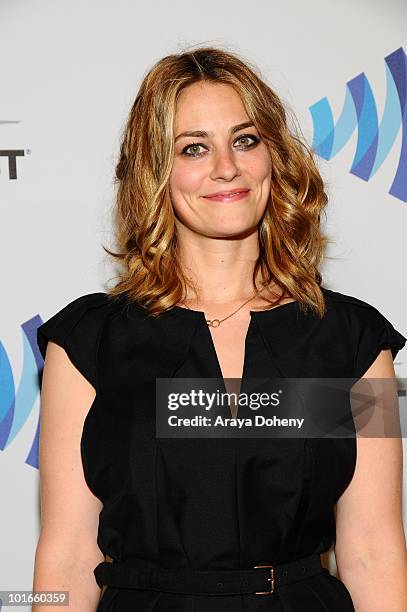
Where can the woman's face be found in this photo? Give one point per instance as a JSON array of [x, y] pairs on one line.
[[225, 155]]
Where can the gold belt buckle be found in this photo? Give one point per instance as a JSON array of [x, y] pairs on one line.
[[271, 580]]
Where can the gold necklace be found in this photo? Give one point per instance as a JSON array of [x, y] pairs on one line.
[[217, 322]]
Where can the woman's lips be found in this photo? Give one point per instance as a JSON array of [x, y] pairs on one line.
[[228, 197]]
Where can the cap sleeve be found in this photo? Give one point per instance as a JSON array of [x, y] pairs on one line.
[[374, 334], [76, 328]]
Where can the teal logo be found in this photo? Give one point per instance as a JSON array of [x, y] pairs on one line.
[[17, 400], [374, 138]]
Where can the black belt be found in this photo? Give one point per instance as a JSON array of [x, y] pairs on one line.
[[261, 580]]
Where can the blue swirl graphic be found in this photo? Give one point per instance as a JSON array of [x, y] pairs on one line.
[[16, 404], [374, 141]]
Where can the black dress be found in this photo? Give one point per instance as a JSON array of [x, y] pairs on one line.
[[213, 503]]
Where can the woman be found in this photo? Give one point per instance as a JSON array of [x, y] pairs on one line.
[[218, 212]]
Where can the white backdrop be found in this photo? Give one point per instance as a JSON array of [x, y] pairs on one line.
[[69, 73]]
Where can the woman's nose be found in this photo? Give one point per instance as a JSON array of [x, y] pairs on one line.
[[224, 166]]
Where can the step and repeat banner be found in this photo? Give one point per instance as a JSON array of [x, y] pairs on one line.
[[69, 75]]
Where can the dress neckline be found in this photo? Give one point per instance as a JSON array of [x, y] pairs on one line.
[[251, 312], [254, 315]]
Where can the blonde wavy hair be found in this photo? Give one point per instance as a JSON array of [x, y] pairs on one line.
[[291, 244]]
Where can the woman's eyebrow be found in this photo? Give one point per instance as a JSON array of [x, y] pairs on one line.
[[203, 134]]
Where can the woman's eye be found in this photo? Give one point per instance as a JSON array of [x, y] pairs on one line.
[[194, 147], [246, 136]]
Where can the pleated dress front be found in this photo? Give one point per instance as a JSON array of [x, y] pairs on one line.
[[213, 503]]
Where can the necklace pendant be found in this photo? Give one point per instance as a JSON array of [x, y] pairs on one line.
[[213, 322]]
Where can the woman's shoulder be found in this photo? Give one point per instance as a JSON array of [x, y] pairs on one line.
[[77, 327], [362, 315], [350, 302], [85, 311], [369, 329]]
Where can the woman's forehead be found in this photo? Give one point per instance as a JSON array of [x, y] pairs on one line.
[[201, 105]]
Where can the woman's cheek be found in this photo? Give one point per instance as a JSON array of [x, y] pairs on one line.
[[187, 179], [259, 166]]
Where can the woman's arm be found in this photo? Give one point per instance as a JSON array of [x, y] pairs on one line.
[[67, 550], [370, 548]]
